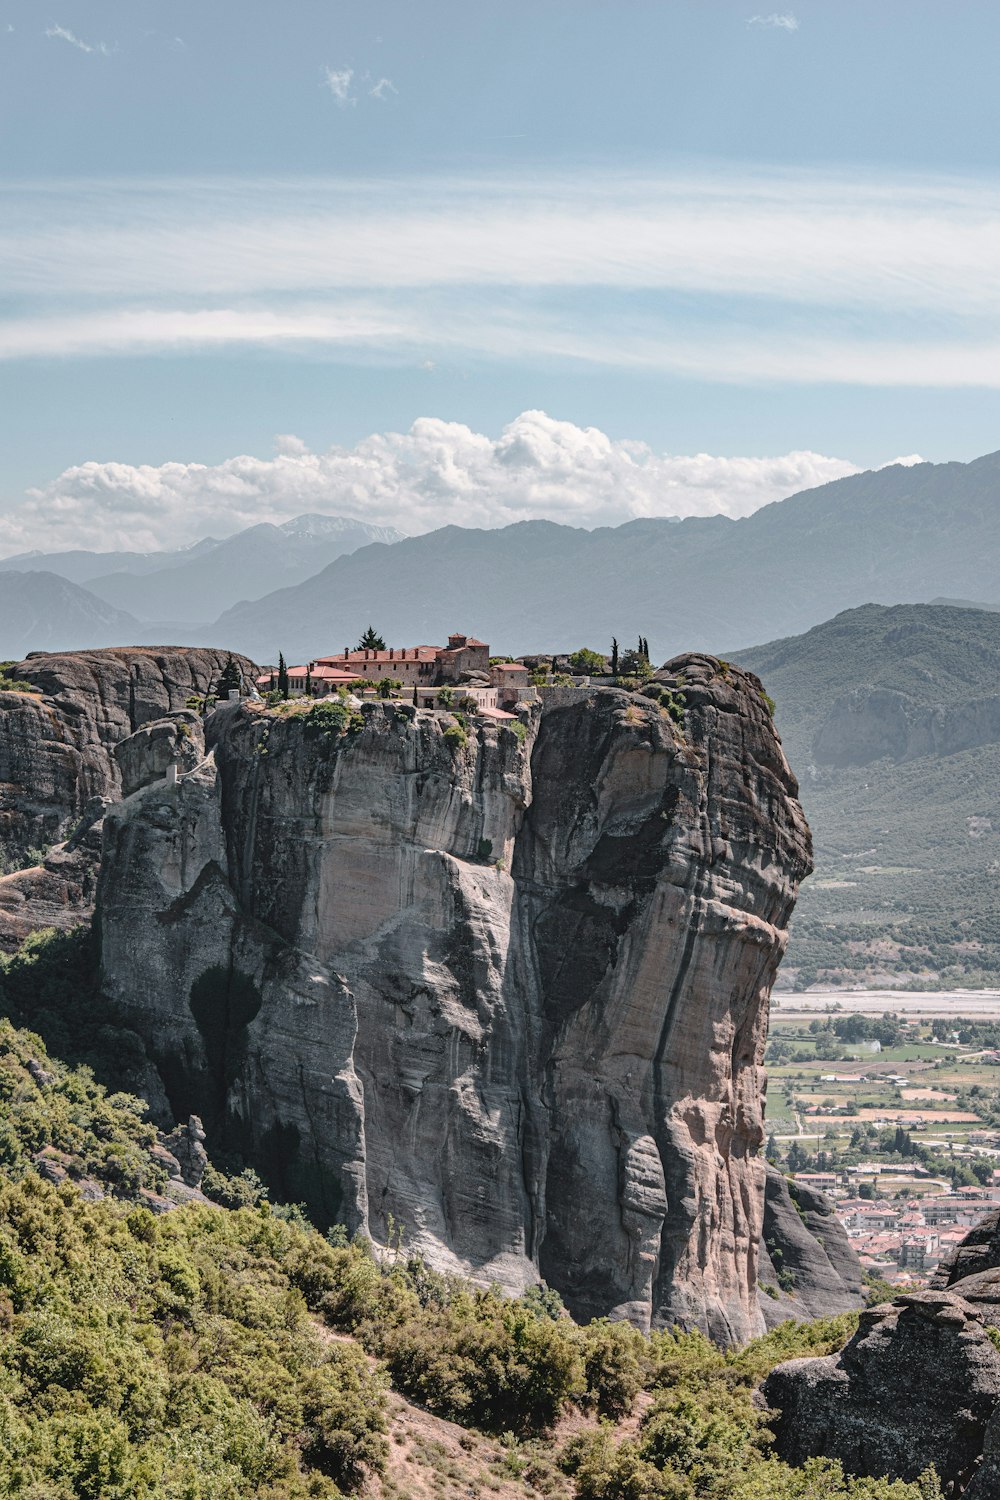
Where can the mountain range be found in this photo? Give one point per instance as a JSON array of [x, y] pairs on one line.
[[195, 584], [899, 534]]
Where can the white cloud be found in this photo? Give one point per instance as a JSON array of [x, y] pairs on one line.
[[338, 81], [60, 33], [383, 89], [779, 22], [435, 474]]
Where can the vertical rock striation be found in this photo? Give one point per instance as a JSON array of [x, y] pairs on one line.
[[510, 993]]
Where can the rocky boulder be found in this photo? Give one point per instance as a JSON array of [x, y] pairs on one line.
[[504, 985], [146, 755], [979, 1251], [917, 1385]]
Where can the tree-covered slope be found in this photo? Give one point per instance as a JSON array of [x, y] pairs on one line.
[[891, 719]]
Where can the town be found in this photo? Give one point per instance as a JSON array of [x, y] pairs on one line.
[[895, 1116]]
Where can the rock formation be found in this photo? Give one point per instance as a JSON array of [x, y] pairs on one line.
[[58, 768], [506, 988], [808, 1266], [919, 1383]]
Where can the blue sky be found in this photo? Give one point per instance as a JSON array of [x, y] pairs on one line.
[[696, 228]]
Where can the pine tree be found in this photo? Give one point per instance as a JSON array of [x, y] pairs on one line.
[[371, 641], [282, 676], [231, 677]]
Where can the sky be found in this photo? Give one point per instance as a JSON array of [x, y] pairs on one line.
[[472, 262]]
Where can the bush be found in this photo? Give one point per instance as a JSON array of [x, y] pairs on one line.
[[456, 738], [332, 719], [343, 1406], [487, 1360], [616, 1366]]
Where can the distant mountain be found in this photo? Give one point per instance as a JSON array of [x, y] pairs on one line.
[[891, 719], [81, 566], [199, 582], [901, 533], [43, 612]]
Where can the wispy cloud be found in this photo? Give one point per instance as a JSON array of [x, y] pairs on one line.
[[776, 21], [437, 472], [781, 277], [383, 89], [338, 81], [60, 33]]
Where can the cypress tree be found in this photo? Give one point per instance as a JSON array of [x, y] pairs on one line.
[[614, 657], [282, 676]]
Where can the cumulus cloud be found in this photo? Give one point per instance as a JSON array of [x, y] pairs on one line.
[[437, 473], [776, 21], [338, 81], [60, 33]]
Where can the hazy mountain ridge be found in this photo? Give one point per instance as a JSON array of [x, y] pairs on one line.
[[195, 583], [917, 532], [697, 584], [43, 612]]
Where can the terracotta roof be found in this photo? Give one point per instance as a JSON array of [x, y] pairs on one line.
[[510, 666], [494, 713]]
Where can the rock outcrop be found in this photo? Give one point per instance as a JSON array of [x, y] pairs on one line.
[[58, 768], [57, 743], [507, 989], [979, 1251], [808, 1266], [871, 723], [919, 1384]]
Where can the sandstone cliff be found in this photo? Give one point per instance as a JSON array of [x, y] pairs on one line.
[[510, 994], [58, 769]]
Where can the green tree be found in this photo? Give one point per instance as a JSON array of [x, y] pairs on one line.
[[282, 676], [634, 664], [588, 663], [614, 657], [387, 686], [231, 678], [371, 641]]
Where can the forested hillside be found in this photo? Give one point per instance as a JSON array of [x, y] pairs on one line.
[[890, 717]]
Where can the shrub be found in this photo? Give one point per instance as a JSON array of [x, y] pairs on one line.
[[616, 1365], [343, 1406], [487, 1360], [332, 719], [456, 738]]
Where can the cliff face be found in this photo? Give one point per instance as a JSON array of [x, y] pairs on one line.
[[510, 994], [56, 744], [58, 769]]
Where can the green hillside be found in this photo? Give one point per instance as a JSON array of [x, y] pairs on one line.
[[890, 717]]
